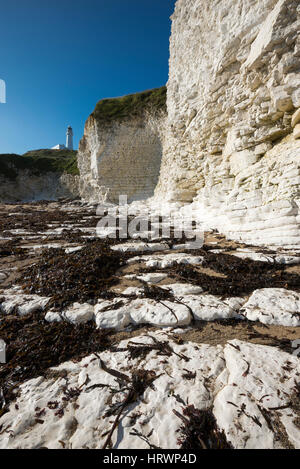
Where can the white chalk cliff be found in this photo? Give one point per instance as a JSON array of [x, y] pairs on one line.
[[122, 156], [28, 187], [231, 141], [38, 175]]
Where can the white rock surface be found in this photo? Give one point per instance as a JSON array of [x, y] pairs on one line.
[[243, 374], [154, 277], [254, 256], [210, 307], [73, 249], [53, 316], [33, 247], [257, 376], [167, 260], [79, 313], [182, 289], [270, 258], [138, 291], [164, 313], [108, 316], [120, 157], [22, 304], [113, 319], [274, 306], [286, 259], [142, 311], [140, 247]]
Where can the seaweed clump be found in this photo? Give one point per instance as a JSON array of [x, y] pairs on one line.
[[238, 276], [82, 276], [34, 346], [200, 430], [135, 387]]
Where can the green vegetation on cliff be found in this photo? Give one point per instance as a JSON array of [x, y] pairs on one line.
[[39, 162], [132, 105]]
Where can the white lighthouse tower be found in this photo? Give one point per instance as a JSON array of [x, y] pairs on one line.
[[69, 142]]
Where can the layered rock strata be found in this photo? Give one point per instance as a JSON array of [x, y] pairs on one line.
[[233, 117], [120, 152]]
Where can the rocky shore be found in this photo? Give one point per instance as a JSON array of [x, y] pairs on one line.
[[135, 344], [149, 338]]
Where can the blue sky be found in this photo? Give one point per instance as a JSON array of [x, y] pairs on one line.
[[59, 57]]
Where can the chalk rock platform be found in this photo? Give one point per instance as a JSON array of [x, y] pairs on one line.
[[130, 344], [250, 390]]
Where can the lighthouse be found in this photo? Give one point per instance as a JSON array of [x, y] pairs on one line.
[[69, 142]]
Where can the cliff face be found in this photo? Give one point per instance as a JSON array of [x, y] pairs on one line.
[[28, 187], [38, 175], [120, 152], [231, 137], [233, 88]]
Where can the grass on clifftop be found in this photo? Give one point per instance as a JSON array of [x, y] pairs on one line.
[[132, 105], [39, 162]]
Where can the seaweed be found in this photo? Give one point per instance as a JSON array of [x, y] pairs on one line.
[[135, 387], [240, 277], [137, 350], [34, 346], [82, 276], [199, 430]]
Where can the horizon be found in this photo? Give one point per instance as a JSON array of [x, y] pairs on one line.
[[65, 58]]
